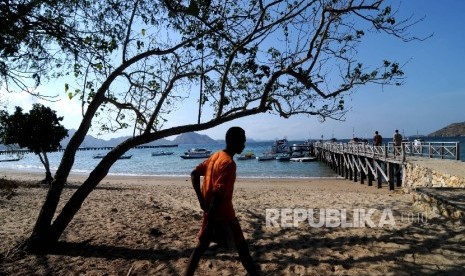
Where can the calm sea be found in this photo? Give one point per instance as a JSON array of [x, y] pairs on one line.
[[143, 163]]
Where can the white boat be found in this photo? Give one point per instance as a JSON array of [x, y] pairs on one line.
[[161, 153], [246, 156], [283, 157], [302, 147], [418, 141], [280, 146], [125, 157], [296, 154], [196, 153], [10, 160], [266, 156], [100, 156], [304, 159]]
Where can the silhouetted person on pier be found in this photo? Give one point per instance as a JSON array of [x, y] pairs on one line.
[[397, 140], [219, 222], [377, 139]]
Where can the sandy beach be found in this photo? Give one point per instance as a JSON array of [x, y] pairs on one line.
[[148, 226]]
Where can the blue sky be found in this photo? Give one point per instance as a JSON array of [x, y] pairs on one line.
[[432, 97]]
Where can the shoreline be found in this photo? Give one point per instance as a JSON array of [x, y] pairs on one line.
[[323, 184], [78, 176]]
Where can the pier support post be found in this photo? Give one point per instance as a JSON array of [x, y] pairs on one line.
[[391, 168], [398, 176], [362, 177], [379, 178], [341, 164], [355, 174], [370, 178], [370, 173]]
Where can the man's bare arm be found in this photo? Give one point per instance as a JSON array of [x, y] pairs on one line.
[[195, 179]]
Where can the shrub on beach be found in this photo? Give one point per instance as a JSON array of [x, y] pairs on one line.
[[10, 184]]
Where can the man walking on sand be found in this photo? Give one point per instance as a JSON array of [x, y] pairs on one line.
[[215, 198]]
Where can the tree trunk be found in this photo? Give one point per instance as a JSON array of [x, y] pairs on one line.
[[48, 175], [75, 202], [40, 239], [46, 234], [41, 236]]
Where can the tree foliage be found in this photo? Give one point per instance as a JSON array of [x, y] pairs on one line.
[[137, 61], [38, 40], [39, 131]]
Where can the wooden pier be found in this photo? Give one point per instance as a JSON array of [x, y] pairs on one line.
[[383, 164]]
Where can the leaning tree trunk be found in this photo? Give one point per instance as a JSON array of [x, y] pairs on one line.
[[75, 202], [42, 235], [40, 238], [46, 233]]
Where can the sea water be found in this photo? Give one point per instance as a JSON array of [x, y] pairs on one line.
[[143, 163]]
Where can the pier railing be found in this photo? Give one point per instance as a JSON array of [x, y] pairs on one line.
[[442, 150]]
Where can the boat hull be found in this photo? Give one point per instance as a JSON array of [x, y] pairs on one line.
[[304, 159], [162, 153], [195, 156]]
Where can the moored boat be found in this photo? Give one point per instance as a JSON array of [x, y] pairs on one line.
[[161, 153], [280, 146], [10, 160], [302, 147], [283, 157], [101, 155], [266, 156], [125, 157], [246, 156], [304, 159], [196, 153]]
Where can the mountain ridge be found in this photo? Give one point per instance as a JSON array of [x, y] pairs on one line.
[[194, 138], [452, 130], [184, 138]]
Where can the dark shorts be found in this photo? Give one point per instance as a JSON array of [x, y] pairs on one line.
[[225, 233]]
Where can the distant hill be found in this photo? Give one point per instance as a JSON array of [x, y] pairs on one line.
[[452, 130], [193, 138], [91, 141]]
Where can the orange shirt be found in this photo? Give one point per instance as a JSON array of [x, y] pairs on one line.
[[219, 172]]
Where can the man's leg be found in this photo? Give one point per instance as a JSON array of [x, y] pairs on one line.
[[242, 248], [202, 246], [195, 258]]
